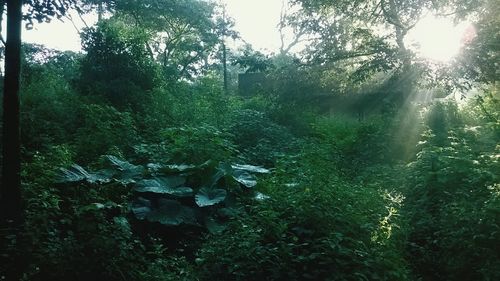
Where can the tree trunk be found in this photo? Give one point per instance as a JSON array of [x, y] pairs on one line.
[[224, 65], [10, 189]]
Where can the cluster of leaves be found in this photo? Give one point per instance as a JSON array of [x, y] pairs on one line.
[[172, 195], [104, 129], [189, 144], [258, 138]]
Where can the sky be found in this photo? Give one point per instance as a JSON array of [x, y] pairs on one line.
[[255, 20]]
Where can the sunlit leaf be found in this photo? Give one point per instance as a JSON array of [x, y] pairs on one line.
[[77, 173], [250, 168], [209, 197], [245, 178]]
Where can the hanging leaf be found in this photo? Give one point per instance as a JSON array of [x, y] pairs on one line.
[[209, 197], [172, 213], [250, 168], [244, 178]]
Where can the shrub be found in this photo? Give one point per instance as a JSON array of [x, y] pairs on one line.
[[195, 145], [452, 203], [259, 139], [313, 226], [103, 130]]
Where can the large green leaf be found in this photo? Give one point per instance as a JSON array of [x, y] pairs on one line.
[[244, 178], [209, 196], [165, 185], [128, 172], [222, 170], [172, 213], [250, 168], [77, 174]]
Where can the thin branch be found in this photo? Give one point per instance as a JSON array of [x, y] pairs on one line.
[[67, 16], [80, 13]]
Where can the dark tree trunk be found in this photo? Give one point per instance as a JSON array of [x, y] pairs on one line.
[[10, 191]]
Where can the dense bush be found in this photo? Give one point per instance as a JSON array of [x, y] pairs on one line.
[[50, 108], [452, 202], [259, 139], [352, 145], [117, 67]]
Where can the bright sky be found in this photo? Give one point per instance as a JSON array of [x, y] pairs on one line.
[[256, 20]]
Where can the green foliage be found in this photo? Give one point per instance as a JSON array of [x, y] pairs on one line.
[[253, 61], [313, 227], [104, 130], [117, 66], [259, 139], [337, 206], [173, 195], [452, 204], [478, 60], [351, 145], [49, 107], [183, 34], [182, 104], [196, 145], [64, 227]]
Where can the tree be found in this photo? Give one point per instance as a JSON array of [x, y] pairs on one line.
[[253, 61], [183, 34], [223, 28], [117, 65], [368, 33], [40, 11], [11, 147], [479, 62]]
